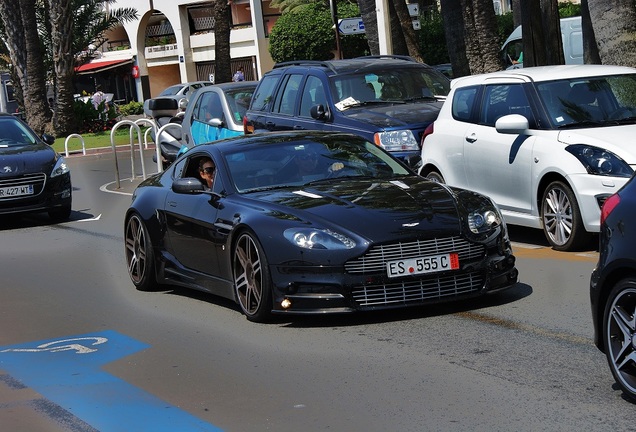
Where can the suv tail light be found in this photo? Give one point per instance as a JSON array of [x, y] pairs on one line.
[[247, 127], [609, 205], [427, 132]]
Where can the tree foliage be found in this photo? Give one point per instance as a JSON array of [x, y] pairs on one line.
[[306, 32], [65, 29]]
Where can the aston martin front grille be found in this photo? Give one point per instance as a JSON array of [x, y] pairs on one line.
[[413, 291], [375, 260]]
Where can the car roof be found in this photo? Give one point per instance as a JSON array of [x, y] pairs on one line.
[[232, 85], [354, 64], [544, 73]]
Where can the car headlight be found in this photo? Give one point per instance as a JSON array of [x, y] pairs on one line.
[[598, 161], [310, 238], [401, 140], [483, 220], [60, 167]]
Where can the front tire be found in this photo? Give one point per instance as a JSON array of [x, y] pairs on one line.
[[252, 280], [60, 214], [561, 216], [140, 256], [434, 176], [619, 328]]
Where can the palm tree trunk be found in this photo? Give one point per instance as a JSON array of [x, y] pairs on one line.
[[12, 20], [222, 27], [454, 30], [614, 23], [38, 113], [64, 64]]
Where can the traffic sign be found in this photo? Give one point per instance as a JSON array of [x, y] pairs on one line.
[[348, 26]]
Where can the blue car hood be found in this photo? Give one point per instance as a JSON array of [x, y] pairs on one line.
[[372, 208], [392, 115]]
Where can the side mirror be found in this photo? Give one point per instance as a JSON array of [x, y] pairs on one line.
[[512, 124], [188, 185], [49, 139], [319, 112], [216, 122]]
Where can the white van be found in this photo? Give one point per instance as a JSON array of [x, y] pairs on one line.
[[572, 43]]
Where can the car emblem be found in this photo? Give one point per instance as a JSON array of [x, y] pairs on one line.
[[7, 169], [409, 225]]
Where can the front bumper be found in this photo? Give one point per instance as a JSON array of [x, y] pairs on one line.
[[316, 290]]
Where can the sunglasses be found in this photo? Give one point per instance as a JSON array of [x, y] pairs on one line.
[[208, 170]]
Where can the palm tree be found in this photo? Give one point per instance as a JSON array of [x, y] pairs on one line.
[[452, 16], [222, 28], [38, 114], [16, 45], [613, 48]]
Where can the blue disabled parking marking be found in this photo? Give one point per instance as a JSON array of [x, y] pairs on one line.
[[67, 371]]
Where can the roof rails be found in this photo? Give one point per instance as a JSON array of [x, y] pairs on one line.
[[389, 56], [305, 63]]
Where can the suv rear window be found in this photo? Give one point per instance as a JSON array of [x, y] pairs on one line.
[[263, 95]]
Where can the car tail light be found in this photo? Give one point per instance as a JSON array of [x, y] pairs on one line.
[[609, 205], [427, 132], [247, 127]]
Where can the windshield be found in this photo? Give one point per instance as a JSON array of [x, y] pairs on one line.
[[595, 100], [14, 134], [389, 85], [303, 161]]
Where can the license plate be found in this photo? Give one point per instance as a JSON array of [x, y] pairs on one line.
[[421, 265], [13, 191]]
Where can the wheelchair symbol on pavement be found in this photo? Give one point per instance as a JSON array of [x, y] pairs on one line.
[[65, 345]]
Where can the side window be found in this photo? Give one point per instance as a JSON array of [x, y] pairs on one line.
[[263, 95], [212, 107], [286, 100], [313, 94], [463, 102], [501, 100]]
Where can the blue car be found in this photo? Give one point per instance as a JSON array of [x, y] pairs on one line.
[[216, 112]]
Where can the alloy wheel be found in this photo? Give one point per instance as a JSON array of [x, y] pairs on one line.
[[557, 216], [136, 250], [621, 337], [248, 275]]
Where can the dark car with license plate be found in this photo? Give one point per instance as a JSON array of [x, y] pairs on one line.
[[388, 100], [613, 287], [33, 176], [313, 222]]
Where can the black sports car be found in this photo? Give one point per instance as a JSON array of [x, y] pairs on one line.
[[33, 176], [613, 287], [313, 222]]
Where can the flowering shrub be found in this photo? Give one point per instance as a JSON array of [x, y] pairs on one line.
[[88, 118]]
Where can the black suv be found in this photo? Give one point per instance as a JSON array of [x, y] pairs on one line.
[[388, 100]]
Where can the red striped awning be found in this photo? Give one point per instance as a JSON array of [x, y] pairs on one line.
[[100, 65]]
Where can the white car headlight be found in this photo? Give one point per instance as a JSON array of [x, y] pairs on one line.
[[599, 161], [310, 238], [401, 140], [60, 167]]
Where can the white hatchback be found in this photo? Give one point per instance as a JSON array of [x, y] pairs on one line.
[[548, 144]]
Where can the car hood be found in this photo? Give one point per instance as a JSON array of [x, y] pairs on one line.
[[400, 114], [26, 159], [379, 209], [617, 139]]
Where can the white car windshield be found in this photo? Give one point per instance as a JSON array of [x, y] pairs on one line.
[[602, 100]]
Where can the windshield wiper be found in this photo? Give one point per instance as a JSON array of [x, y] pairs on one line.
[[416, 98], [582, 123]]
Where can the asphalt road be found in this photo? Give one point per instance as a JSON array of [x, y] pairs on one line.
[[82, 350]]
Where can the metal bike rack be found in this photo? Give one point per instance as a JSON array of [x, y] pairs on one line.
[[68, 138], [132, 149], [152, 125]]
